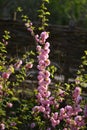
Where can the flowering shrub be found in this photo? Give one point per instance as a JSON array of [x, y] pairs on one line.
[[14, 109], [46, 109]]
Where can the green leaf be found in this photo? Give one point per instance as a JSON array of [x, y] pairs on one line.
[[14, 99], [10, 92], [19, 9], [85, 52], [47, 13], [84, 62], [2, 112], [46, 1], [1, 67], [14, 128]]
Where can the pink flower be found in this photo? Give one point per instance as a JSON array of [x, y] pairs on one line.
[[39, 96], [76, 92], [62, 113], [42, 83], [47, 81], [32, 125], [57, 106], [2, 126], [48, 108], [29, 66], [48, 93], [37, 38], [38, 48], [55, 115], [47, 62], [47, 45], [35, 109], [31, 31], [51, 98], [69, 110], [78, 100], [42, 109], [43, 88], [77, 109], [18, 64], [41, 62], [10, 105], [44, 35], [5, 75], [47, 73], [39, 67], [45, 93], [54, 122], [47, 51], [79, 120], [61, 92], [43, 57], [68, 120]]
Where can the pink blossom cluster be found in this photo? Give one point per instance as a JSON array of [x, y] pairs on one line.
[[55, 119], [73, 118], [70, 114], [76, 95], [43, 96], [42, 38]]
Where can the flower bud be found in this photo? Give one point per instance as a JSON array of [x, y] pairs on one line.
[[10, 105], [29, 66]]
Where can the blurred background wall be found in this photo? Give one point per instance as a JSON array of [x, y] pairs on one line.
[[63, 12]]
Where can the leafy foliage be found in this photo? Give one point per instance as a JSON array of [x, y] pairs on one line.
[[61, 108]]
